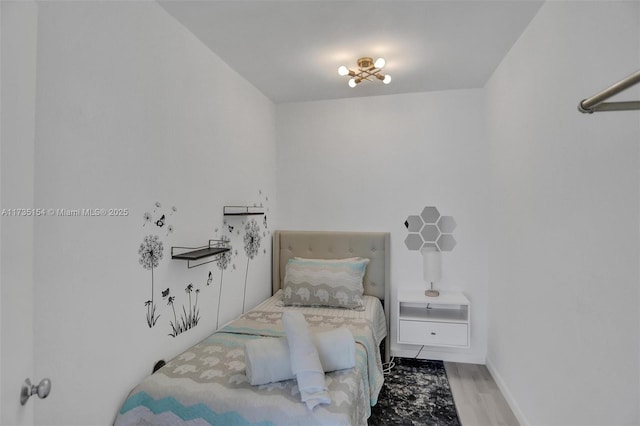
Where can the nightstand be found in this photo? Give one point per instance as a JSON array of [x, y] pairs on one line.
[[434, 321]]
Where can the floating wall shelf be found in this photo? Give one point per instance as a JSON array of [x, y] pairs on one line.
[[242, 210], [193, 254]]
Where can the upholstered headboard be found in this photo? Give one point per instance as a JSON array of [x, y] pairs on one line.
[[338, 245]]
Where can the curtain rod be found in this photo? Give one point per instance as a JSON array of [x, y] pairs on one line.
[[595, 102]]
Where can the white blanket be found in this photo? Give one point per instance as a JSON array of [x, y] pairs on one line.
[[305, 361], [267, 360]]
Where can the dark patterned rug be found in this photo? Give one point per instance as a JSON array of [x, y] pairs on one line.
[[416, 392]]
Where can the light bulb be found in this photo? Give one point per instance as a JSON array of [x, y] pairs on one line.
[[379, 63], [386, 79], [352, 82], [342, 70]]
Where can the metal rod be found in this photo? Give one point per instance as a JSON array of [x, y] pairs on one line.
[[615, 106], [594, 103]]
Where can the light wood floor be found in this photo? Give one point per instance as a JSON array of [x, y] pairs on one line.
[[477, 397]]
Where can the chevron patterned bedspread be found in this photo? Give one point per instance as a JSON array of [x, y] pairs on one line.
[[207, 385]]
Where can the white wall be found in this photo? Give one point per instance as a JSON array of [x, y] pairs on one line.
[[19, 21], [367, 164], [131, 109], [563, 282]]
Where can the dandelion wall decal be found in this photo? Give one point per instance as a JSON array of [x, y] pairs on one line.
[[151, 251], [252, 241], [189, 319], [174, 324], [223, 262], [147, 218], [188, 290]]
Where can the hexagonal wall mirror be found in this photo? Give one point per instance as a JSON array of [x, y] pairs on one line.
[[413, 223], [413, 241], [446, 242], [430, 233], [446, 224], [430, 229], [430, 215]]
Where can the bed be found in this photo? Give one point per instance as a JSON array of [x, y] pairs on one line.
[[208, 384]]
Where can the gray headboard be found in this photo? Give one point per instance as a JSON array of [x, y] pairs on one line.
[[339, 245]]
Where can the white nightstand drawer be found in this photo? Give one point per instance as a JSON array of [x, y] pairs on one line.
[[433, 333]]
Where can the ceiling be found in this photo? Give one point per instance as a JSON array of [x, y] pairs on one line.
[[291, 50]]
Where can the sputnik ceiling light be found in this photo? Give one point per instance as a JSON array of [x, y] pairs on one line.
[[367, 69]]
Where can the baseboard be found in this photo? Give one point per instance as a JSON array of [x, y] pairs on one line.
[[507, 394]]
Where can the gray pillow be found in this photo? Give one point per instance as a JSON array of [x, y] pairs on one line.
[[325, 282]]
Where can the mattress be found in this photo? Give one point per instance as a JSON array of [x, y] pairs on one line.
[[207, 384]]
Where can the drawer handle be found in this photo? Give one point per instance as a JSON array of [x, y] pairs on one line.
[[433, 333]]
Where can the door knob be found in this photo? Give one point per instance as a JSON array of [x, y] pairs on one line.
[[42, 390]]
